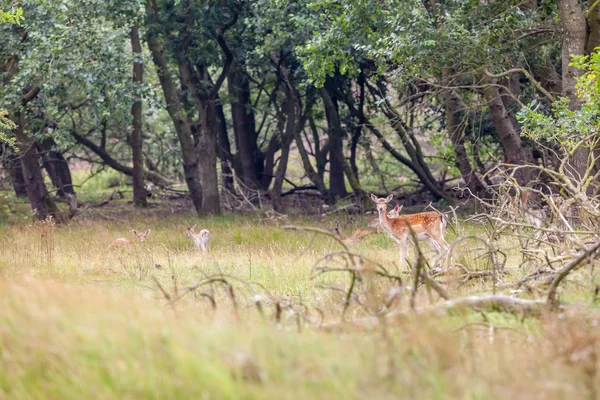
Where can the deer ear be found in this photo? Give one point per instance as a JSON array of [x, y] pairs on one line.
[[147, 232], [373, 197], [133, 231], [397, 208], [389, 198]]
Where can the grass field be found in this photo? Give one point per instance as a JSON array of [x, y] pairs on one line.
[[80, 321]]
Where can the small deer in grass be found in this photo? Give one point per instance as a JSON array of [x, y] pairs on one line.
[[201, 240], [122, 242], [534, 217], [427, 226]]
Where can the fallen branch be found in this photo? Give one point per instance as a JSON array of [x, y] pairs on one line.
[[485, 303], [562, 274]]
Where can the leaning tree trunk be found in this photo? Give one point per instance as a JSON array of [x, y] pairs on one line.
[[57, 167], [456, 134], [139, 192], [207, 156], [181, 124], [337, 185], [514, 153], [41, 201]]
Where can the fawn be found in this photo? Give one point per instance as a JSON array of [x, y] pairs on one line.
[[534, 217], [122, 242], [392, 214], [427, 226], [201, 240]]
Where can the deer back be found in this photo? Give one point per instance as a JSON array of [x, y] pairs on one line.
[[424, 222]]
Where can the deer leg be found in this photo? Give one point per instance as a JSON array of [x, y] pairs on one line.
[[403, 244]]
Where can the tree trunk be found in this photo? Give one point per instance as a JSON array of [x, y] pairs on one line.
[[359, 126], [507, 133], [182, 126], [13, 165], [549, 78], [57, 168], [286, 139], [593, 21], [337, 185], [139, 192], [320, 153], [574, 44], [242, 116], [41, 201], [574, 40], [207, 156], [224, 149], [267, 176], [456, 134]]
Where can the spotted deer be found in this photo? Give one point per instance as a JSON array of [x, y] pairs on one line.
[[392, 214], [122, 242], [201, 240], [427, 226], [361, 233]]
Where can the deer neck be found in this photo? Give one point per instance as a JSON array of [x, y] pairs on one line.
[[384, 220]]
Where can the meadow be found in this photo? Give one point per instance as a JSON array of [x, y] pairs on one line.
[[80, 321]]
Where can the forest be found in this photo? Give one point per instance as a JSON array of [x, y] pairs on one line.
[[230, 199]]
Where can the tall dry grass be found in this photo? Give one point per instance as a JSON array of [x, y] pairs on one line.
[[79, 321]]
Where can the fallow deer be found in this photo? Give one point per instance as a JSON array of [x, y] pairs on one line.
[[534, 217], [201, 239], [122, 242], [427, 226], [361, 233]]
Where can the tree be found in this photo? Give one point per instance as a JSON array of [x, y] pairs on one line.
[[139, 192]]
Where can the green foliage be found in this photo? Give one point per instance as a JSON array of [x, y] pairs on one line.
[[407, 38], [563, 125], [14, 16], [80, 60], [5, 126]]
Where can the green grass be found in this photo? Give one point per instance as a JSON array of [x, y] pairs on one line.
[[80, 321]]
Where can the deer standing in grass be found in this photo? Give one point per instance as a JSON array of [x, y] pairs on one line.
[[534, 217], [201, 239], [427, 226], [122, 242]]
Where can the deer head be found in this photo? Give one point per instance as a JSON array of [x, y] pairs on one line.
[[381, 203], [141, 236]]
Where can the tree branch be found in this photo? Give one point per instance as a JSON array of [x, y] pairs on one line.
[[152, 176], [27, 97], [527, 75]]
